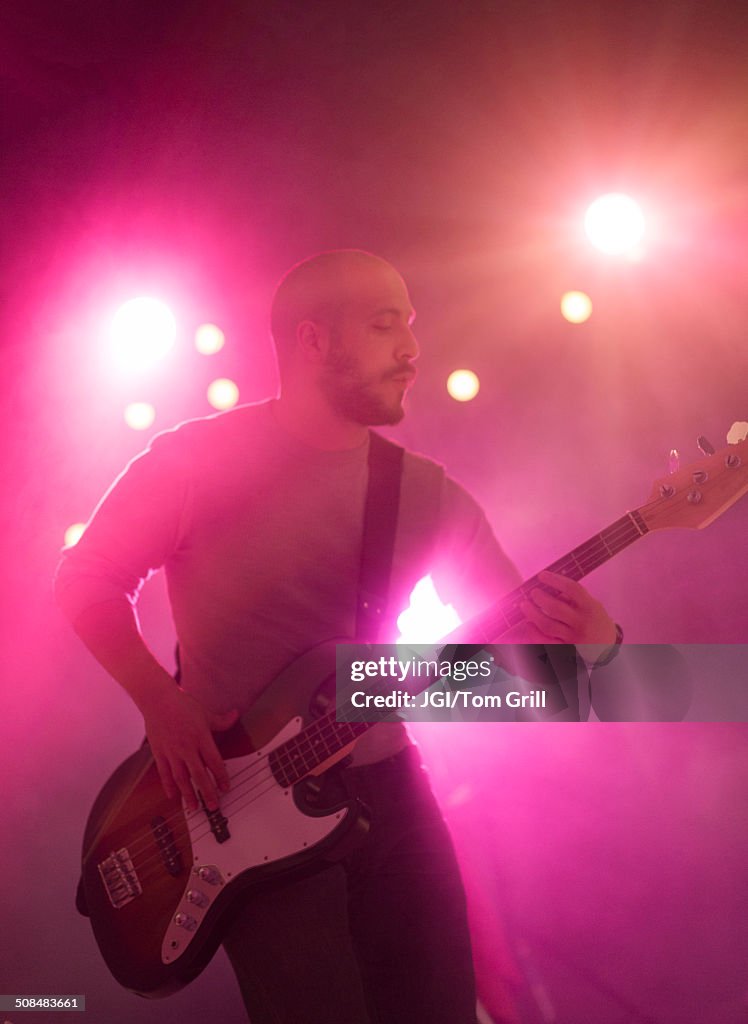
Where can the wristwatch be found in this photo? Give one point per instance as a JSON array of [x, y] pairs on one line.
[[612, 651]]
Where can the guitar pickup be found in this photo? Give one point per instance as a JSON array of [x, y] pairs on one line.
[[167, 846], [219, 824], [120, 878]]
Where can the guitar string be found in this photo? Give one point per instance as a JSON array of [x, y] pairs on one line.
[[587, 561], [585, 558], [593, 547], [262, 775]]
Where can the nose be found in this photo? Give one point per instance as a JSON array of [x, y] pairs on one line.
[[407, 348]]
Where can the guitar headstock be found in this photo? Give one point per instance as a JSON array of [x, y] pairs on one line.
[[693, 497]]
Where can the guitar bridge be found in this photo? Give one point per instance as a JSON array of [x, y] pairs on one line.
[[119, 878]]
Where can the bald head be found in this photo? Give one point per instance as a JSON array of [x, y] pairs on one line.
[[320, 288], [341, 322]]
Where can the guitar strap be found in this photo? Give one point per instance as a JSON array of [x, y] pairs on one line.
[[401, 526], [378, 543]]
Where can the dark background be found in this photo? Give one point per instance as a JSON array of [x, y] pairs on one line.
[[195, 151]]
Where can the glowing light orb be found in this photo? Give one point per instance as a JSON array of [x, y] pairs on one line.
[[140, 415], [576, 307], [223, 393], [615, 224], [737, 432], [143, 331], [209, 339], [463, 385], [426, 619], [73, 534]]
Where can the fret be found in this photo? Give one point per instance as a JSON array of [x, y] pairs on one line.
[[319, 741], [588, 555], [297, 757]]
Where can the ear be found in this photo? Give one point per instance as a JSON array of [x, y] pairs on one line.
[[313, 339]]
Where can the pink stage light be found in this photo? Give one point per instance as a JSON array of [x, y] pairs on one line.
[[576, 307], [463, 385], [426, 619], [615, 224], [140, 415], [223, 393], [209, 339], [143, 331]]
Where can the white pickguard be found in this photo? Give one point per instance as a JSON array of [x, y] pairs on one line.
[[265, 826]]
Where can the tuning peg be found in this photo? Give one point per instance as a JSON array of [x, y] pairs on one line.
[[705, 446], [673, 461]]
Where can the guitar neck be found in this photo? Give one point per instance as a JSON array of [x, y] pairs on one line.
[[327, 736], [492, 624]]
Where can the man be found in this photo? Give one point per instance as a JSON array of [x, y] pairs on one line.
[[257, 516]]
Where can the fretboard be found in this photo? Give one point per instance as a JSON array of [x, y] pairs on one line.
[[332, 732]]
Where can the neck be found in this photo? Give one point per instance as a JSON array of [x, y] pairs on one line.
[[308, 417]]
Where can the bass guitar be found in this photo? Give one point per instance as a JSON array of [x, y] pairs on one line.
[[158, 881]]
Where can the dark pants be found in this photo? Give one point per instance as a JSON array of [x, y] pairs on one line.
[[380, 937]]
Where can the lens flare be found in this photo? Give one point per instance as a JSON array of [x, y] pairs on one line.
[[223, 393], [576, 307], [209, 339], [140, 415], [143, 331], [615, 224], [463, 385], [426, 619]]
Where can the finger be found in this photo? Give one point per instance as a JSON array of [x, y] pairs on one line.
[[167, 779], [205, 785], [183, 779], [550, 627], [555, 607], [570, 589], [215, 763]]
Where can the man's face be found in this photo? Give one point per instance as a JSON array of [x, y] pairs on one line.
[[369, 364]]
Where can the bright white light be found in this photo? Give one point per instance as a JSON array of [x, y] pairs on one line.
[[426, 619], [209, 339], [140, 415], [737, 432], [615, 223], [73, 534], [463, 385], [576, 307], [143, 331], [223, 393]]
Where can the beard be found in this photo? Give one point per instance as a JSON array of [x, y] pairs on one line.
[[366, 399]]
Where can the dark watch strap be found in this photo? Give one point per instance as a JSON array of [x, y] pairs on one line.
[[613, 650]]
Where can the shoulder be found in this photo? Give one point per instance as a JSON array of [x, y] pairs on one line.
[[439, 503], [209, 436], [455, 501], [426, 481], [420, 467]]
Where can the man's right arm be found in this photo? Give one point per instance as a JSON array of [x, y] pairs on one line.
[[135, 528], [178, 727]]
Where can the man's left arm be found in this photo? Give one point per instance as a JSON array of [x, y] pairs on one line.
[[473, 573]]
